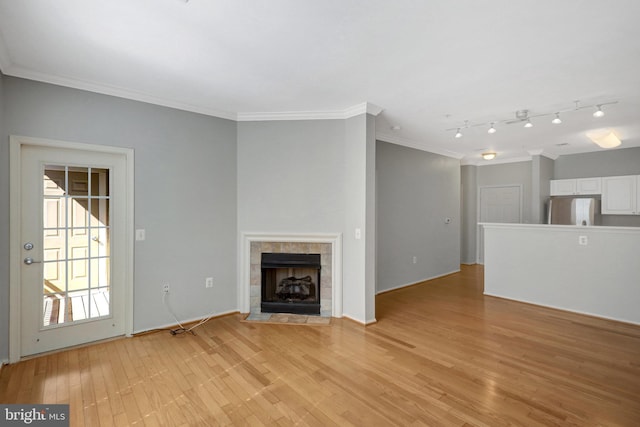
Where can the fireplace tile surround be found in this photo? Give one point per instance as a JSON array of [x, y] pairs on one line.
[[327, 245], [324, 249]]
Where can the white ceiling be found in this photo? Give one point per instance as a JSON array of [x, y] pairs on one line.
[[430, 65]]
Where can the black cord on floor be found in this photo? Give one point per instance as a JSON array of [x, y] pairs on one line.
[[178, 331]]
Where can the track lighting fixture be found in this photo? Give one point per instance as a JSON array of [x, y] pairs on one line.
[[524, 117], [599, 112]]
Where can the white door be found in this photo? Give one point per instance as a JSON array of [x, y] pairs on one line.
[[73, 272], [498, 204]]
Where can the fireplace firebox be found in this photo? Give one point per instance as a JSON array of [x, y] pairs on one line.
[[290, 283]]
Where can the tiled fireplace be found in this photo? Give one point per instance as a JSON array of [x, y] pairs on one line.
[[327, 246]]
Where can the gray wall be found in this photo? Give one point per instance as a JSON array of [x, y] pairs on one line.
[[311, 177], [469, 213], [359, 254], [417, 190], [625, 161], [291, 176], [185, 191], [541, 174], [509, 174]]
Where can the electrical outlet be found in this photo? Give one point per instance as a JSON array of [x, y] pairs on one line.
[[208, 282], [165, 288], [415, 259]]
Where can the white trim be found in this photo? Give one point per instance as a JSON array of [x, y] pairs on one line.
[[395, 288], [186, 321], [541, 152], [10, 70], [360, 322], [244, 264], [418, 145], [118, 92], [15, 148], [560, 227], [559, 308], [349, 112], [15, 212], [497, 161]]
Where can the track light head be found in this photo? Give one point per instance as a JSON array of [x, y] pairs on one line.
[[599, 112], [528, 124], [492, 129], [557, 120], [458, 133]]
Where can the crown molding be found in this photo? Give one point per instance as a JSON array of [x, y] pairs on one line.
[[9, 70], [353, 111], [356, 110], [541, 152], [496, 161], [114, 91], [418, 145]]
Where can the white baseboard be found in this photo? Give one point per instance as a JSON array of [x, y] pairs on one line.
[[568, 310], [196, 319], [416, 283], [359, 322]]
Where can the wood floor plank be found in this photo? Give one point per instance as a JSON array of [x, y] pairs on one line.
[[441, 354]]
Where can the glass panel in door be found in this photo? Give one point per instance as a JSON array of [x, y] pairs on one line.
[[76, 243]]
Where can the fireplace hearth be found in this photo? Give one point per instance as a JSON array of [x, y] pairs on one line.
[[290, 283]]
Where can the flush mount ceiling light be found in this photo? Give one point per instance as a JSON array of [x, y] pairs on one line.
[[605, 138], [488, 156], [524, 116], [598, 112]]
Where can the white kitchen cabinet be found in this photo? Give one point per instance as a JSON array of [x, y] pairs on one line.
[[621, 195], [589, 186], [572, 187], [563, 187]]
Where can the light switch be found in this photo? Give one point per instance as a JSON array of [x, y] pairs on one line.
[[358, 234], [582, 240], [140, 235]]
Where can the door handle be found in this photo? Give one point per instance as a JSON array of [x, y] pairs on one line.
[[28, 260]]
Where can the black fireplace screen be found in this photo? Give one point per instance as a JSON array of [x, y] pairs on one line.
[[290, 283]]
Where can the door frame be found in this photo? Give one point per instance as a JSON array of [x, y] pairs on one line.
[[15, 217], [478, 213]]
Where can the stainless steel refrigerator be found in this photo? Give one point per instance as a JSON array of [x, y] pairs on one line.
[[570, 210]]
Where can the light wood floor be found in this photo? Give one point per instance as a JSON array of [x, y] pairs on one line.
[[440, 354]]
